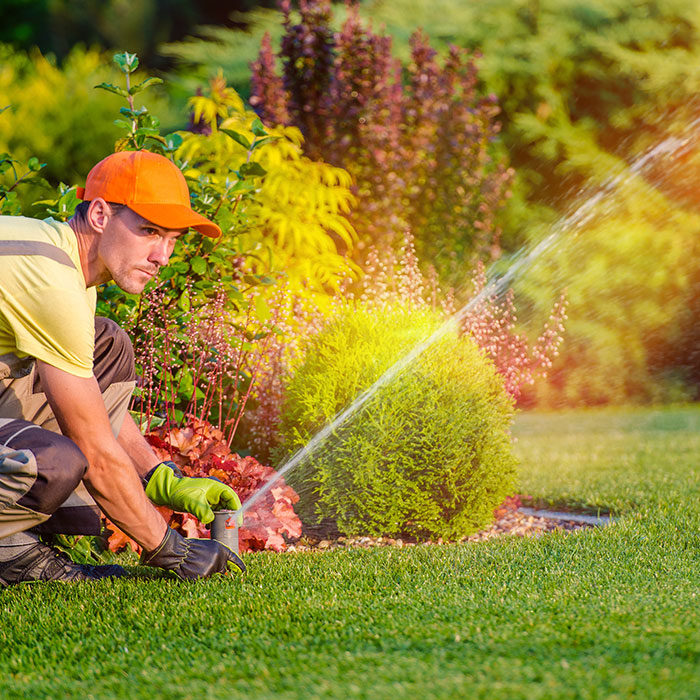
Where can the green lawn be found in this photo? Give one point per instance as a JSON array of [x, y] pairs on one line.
[[613, 460], [605, 613]]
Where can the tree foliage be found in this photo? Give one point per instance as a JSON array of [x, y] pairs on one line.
[[602, 73], [574, 78], [220, 48], [56, 26], [628, 271]]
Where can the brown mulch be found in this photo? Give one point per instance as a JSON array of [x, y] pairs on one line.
[[508, 520]]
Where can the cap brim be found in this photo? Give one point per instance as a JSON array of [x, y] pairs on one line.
[[176, 216]]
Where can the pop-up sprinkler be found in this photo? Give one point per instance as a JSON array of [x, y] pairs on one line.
[[224, 528]]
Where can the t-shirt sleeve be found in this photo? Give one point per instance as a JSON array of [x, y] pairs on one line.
[[56, 326]]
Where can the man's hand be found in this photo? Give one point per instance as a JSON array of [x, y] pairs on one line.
[[191, 558], [167, 487]]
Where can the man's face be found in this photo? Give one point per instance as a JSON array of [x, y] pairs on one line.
[[133, 249]]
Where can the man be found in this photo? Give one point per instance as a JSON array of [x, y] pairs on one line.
[[66, 437]]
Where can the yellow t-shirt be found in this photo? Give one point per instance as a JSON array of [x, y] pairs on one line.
[[45, 309]]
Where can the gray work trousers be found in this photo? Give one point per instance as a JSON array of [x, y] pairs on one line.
[[43, 489]]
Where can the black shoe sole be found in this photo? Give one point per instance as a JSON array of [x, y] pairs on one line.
[[6, 584]]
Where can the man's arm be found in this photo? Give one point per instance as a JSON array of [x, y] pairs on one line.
[[137, 447], [111, 477]]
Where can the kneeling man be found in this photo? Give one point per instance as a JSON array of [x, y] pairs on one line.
[[67, 441]]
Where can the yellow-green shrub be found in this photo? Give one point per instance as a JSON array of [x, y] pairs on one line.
[[428, 455], [296, 222], [56, 114], [627, 276]]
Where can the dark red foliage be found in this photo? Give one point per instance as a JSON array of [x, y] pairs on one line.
[[417, 142]]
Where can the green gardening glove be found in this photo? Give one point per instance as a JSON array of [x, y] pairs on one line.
[[166, 486]]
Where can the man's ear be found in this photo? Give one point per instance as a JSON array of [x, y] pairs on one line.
[[98, 214]]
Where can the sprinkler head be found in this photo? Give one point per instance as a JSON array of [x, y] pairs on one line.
[[224, 528]]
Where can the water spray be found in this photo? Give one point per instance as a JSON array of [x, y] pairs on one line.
[[571, 223]]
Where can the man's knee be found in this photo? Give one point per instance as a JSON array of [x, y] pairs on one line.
[[60, 464], [114, 354]]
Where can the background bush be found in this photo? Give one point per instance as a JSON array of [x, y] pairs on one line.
[[291, 213], [428, 455], [55, 114], [420, 142], [630, 275], [57, 25]]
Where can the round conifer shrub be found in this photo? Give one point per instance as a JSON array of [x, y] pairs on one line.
[[427, 455]]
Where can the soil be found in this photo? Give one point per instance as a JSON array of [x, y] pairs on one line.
[[508, 520]]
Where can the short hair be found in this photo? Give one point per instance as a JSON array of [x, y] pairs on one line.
[[81, 210]]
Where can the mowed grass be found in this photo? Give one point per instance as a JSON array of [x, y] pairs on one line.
[[614, 460], [604, 613]]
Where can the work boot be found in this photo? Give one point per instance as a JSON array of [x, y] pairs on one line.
[[36, 561]]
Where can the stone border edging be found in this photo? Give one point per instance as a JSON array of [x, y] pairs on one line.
[[562, 515]]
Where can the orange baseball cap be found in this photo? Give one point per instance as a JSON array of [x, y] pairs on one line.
[[149, 184]]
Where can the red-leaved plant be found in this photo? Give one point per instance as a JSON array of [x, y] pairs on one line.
[[200, 450]]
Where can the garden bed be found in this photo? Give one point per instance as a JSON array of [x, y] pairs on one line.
[[510, 519]]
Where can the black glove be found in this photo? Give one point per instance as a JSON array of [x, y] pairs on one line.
[[191, 558]]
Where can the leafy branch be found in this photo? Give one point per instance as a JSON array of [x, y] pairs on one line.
[[143, 129], [9, 203]]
